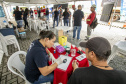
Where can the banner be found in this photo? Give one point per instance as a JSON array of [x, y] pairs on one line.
[[123, 10]]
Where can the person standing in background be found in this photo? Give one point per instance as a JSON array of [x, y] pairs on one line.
[[66, 17], [52, 12], [22, 11], [47, 13], [56, 15], [18, 17], [26, 13], [38, 10], [77, 16], [74, 9], [36, 13], [89, 20], [60, 14], [69, 17], [31, 13]]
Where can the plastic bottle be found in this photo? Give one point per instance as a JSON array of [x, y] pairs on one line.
[[73, 51]]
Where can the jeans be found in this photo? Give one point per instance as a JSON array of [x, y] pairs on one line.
[[47, 17], [55, 19], [78, 28], [19, 23], [66, 21], [43, 79]]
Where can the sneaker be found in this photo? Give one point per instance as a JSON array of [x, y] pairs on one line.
[[78, 39], [73, 38], [87, 39]]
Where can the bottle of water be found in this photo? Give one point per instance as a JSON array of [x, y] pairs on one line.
[[73, 51]]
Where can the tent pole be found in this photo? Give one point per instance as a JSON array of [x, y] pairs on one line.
[[113, 14]]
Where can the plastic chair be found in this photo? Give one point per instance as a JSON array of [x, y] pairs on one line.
[[42, 25], [8, 40], [15, 62], [1, 52], [30, 23], [119, 47]]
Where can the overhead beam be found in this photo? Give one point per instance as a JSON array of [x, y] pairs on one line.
[[47, 1]]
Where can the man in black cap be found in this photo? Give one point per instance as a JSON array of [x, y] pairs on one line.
[[97, 51]]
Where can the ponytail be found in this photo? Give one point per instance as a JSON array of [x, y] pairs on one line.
[[46, 34]]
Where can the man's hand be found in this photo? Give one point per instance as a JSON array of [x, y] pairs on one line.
[[75, 64]]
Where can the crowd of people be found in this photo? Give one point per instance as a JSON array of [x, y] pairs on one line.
[[21, 14], [98, 49]]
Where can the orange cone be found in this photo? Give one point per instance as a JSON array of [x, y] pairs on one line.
[[108, 23], [124, 25]]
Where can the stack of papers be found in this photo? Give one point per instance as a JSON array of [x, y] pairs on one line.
[[81, 57], [64, 66]]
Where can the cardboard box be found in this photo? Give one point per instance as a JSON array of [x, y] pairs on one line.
[[62, 40], [60, 33], [21, 29]]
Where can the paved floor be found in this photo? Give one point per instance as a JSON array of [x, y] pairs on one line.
[[113, 35]]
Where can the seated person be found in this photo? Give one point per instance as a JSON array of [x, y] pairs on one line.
[[37, 69], [97, 51]]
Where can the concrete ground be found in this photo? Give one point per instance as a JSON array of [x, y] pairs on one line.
[[113, 35]]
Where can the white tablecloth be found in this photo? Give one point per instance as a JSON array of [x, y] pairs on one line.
[[64, 28]]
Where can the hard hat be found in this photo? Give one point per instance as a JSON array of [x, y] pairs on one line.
[[43, 6], [93, 6]]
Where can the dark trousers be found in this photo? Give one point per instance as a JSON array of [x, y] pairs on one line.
[[55, 19], [26, 23]]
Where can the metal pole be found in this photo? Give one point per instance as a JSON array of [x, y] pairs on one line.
[[113, 13]]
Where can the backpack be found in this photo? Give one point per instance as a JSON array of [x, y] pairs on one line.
[[94, 23]]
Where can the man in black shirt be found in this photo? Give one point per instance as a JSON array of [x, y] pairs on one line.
[[18, 17], [38, 10], [22, 11], [77, 16], [47, 13], [97, 51], [56, 15], [31, 13]]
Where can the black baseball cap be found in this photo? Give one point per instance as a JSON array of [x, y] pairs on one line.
[[99, 45]]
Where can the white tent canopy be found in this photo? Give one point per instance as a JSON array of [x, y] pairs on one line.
[[42, 1]]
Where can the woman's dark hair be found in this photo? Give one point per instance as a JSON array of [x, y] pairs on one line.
[[46, 34], [26, 10], [65, 12]]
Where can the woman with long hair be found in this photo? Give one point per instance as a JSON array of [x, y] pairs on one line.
[[66, 17], [26, 13]]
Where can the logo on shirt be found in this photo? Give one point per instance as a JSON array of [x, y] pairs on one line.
[[32, 44]]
